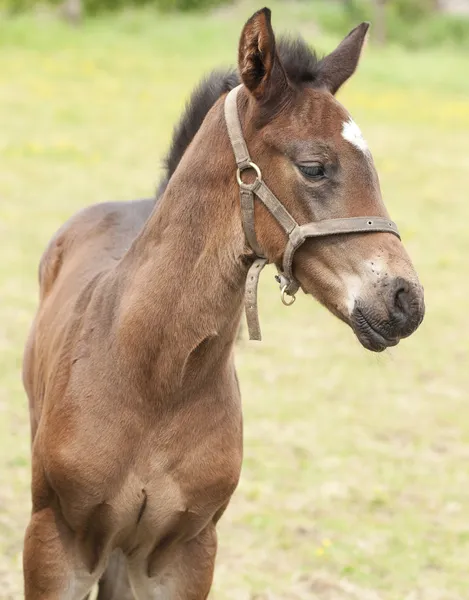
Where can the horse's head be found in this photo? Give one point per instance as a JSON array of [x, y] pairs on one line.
[[315, 160]]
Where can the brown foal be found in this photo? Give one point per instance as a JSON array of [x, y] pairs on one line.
[[134, 401]]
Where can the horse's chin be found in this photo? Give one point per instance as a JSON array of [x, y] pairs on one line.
[[368, 334]]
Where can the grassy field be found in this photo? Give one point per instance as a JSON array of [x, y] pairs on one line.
[[356, 475]]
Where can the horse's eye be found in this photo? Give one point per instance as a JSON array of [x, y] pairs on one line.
[[313, 171]]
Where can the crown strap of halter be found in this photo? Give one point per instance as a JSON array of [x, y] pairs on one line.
[[296, 233]]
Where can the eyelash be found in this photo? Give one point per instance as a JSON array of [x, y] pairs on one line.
[[314, 172]]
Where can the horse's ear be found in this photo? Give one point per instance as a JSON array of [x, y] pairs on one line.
[[339, 65], [259, 65]]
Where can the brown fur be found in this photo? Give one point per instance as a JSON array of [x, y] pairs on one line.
[[135, 407]]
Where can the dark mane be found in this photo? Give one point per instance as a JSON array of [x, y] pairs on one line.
[[299, 60], [300, 63]]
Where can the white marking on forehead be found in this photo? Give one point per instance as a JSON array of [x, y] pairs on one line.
[[352, 133]]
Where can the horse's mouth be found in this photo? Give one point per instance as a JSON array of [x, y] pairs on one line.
[[368, 334]]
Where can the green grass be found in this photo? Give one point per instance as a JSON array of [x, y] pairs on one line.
[[356, 482]]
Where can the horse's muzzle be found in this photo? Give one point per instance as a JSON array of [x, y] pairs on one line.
[[379, 325]]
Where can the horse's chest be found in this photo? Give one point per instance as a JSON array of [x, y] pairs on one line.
[[203, 477], [153, 484], [176, 504]]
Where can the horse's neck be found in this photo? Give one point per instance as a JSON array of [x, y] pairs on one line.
[[183, 278]]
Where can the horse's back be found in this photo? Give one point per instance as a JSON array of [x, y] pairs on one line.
[[96, 236]]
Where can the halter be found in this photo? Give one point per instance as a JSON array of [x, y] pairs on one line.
[[296, 233]]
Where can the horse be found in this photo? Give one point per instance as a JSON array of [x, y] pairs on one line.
[[134, 400]]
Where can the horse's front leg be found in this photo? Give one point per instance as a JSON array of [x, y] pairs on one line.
[[53, 566], [187, 575]]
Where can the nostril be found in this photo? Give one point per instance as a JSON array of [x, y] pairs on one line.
[[401, 296], [406, 306], [400, 300]]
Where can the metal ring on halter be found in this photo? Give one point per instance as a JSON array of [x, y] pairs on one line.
[[253, 185], [284, 295]]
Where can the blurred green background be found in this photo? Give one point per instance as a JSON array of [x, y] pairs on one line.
[[355, 483]]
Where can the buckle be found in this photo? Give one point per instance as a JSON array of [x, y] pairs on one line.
[[249, 186], [284, 293]]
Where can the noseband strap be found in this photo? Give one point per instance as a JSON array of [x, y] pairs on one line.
[[296, 234]]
